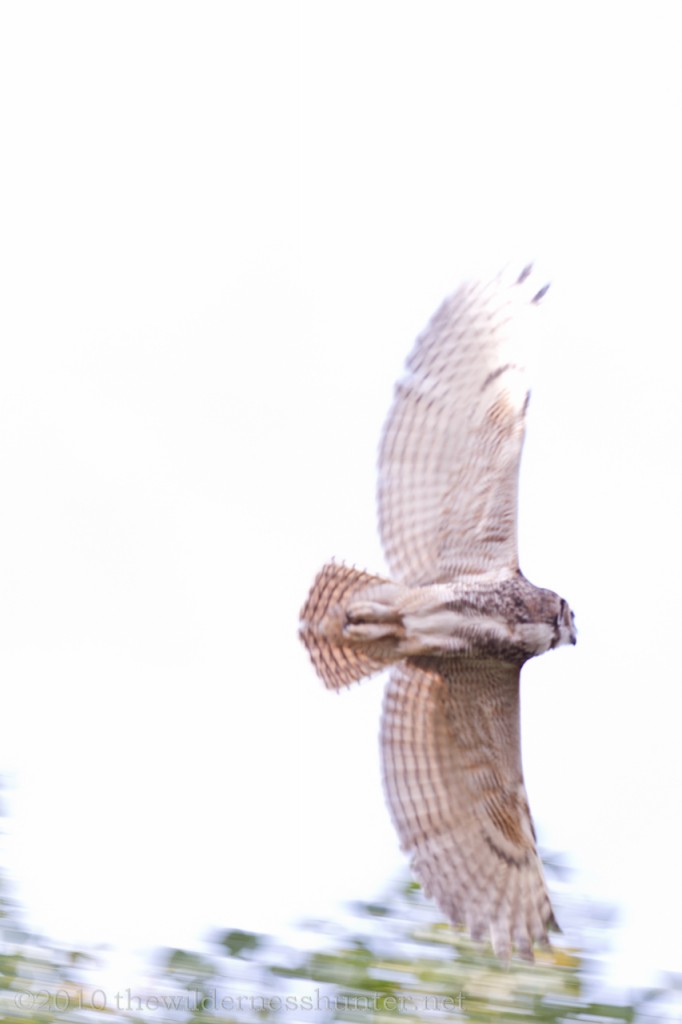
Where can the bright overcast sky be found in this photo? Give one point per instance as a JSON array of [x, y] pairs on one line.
[[222, 226]]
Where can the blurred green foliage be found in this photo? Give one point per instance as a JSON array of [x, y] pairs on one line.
[[386, 961]]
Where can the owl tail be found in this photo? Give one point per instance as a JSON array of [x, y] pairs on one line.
[[350, 625]]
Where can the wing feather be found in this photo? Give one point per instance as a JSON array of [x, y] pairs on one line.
[[451, 447], [451, 754]]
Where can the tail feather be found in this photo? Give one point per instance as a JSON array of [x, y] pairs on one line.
[[342, 650]]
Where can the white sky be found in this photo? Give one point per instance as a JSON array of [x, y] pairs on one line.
[[222, 226]]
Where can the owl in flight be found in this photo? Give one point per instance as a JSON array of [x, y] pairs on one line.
[[457, 620]]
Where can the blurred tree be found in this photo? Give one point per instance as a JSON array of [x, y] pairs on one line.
[[383, 961], [391, 960]]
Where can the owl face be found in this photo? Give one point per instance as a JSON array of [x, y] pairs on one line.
[[564, 625]]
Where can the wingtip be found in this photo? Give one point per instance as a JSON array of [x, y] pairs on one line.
[[543, 291], [529, 269]]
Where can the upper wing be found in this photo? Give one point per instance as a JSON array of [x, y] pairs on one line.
[[453, 780], [450, 452]]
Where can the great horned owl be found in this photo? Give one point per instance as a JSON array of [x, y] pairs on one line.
[[458, 619]]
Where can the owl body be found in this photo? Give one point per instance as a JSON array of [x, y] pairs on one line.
[[457, 620], [509, 619]]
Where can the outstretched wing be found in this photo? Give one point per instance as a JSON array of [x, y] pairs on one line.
[[453, 780], [450, 452]]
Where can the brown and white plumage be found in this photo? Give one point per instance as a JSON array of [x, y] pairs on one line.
[[450, 452], [453, 779], [458, 619]]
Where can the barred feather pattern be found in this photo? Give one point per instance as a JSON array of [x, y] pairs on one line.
[[454, 784], [449, 457], [323, 620]]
